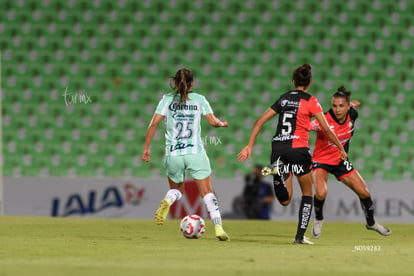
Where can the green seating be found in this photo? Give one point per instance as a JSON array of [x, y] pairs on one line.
[[121, 53]]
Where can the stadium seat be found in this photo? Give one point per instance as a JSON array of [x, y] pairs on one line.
[[121, 53]]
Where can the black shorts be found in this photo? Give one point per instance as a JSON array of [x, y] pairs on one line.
[[295, 160], [341, 170]]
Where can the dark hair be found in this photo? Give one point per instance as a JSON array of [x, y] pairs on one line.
[[182, 83], [341, 92], [302, 75]]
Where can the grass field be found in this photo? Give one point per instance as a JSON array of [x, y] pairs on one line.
[[84, 246]]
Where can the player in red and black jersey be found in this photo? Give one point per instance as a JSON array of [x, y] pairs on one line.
[[290, 150], [341, 119]]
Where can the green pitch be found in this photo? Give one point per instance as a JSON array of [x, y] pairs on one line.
[[79, 246]]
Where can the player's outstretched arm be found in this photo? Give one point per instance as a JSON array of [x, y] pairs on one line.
[[152, 128], [216, 122], [246, 152], [356, 104]]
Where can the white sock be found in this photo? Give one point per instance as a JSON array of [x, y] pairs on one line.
[[212, 207], [172, 195]]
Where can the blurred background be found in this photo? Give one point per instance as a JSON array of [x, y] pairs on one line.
[[80, 80]]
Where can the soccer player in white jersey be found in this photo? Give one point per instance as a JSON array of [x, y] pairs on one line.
[[184, 150]]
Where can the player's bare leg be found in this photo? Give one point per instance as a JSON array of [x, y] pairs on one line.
[[320, 178], [357, 184]]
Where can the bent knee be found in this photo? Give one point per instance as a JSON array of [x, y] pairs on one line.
[[321, 194], [285, 203]]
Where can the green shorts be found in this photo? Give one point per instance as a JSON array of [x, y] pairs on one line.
[[198, 166]]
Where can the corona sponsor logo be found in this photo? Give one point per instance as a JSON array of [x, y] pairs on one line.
[[178, 106]]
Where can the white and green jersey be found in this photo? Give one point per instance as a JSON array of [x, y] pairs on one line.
[[182, 123]]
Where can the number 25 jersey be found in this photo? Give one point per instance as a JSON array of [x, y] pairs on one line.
[[296, 109], [182, 123]]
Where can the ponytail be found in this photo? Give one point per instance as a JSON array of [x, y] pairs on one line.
[[182, 83]]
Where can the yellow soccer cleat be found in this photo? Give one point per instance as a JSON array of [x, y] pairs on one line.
[[162, 212], [220, 234]]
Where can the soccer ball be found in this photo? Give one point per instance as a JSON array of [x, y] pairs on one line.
[[192, 226]]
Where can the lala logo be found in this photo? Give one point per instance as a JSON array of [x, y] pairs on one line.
[[95, 201], [133, 194]]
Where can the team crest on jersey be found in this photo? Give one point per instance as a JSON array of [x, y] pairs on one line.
[[289, 103]]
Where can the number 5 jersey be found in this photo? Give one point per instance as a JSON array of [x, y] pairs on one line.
[[295, 108]]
